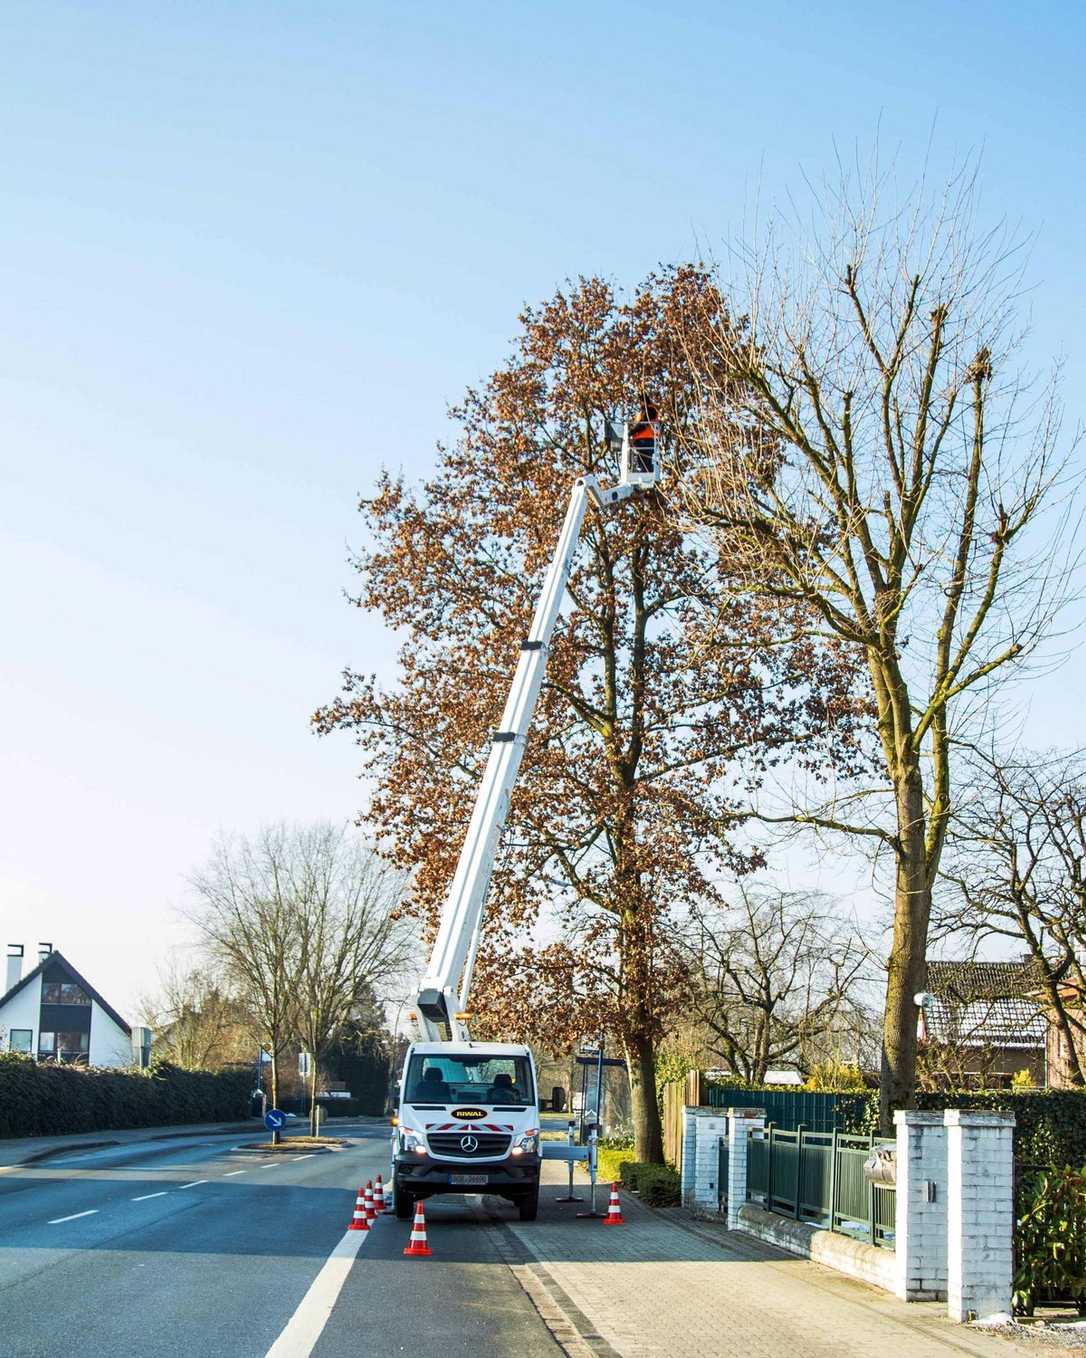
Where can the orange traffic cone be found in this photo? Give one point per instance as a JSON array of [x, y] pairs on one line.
[[417, 1244], [379, 1197], [358, 1221], [614, 1215], [367, 1203]]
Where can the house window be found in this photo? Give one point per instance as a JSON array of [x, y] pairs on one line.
[[72, 1046], [21, 1039], [63, 992], [47, 1044]]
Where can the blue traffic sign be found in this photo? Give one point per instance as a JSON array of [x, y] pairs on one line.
[[274, 1120]]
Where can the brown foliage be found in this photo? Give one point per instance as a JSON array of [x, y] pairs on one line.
[[646, 738]]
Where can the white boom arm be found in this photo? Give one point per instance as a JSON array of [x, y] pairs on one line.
[[443, 992]]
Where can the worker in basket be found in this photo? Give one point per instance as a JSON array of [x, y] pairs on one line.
[[643, 439]]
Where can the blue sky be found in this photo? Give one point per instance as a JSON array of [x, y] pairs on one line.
[[249, 253]]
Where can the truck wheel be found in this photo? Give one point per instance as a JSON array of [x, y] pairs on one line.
[[403, 1202], [529, 1205]]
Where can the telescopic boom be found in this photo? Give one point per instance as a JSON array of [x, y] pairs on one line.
[[443, 994]]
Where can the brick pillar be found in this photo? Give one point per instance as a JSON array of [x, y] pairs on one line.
[[980, 1212], [921, 1208], [741, 1122], [702, 1130], [689, 1167]]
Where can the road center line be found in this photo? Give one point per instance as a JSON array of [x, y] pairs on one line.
[[74, 1217], [274, 1165], [232, 1172], [194, 1183], [304, 1157], [144, 1196], [306, 1325]]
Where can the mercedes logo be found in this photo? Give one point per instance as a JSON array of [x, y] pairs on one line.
[[469, 1144]]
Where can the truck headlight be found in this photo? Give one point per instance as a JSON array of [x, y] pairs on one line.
[[526, 1144], [412, 1141]]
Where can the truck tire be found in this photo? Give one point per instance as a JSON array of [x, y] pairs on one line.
[[403, 1202], [529, 1205]]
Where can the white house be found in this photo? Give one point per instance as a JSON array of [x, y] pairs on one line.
[[54, 1014]]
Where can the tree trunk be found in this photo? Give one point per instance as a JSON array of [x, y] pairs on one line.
[[908, 953], [648, 1132]]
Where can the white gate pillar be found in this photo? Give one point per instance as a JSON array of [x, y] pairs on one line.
[[980, 1213], [741, 1122]]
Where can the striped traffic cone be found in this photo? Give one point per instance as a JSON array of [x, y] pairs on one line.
[[358, 1220], [368, 1204], [417, 1244], [614, 1215], [379, 1197]]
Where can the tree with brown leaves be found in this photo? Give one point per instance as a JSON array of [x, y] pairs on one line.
[[644, 738]]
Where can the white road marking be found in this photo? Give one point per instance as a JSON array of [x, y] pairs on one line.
[[194, 1183], [274, 1165], [144, 1196], [304, 1157], [74, 1217], [232, 1173], [304, 1328]]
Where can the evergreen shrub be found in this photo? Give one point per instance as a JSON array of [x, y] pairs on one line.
[[45, 1099]]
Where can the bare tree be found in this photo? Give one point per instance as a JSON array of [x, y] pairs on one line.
[[879, 460], [1017, 866], [351, 942], [247, 915], [196, 1022], [776, 979]]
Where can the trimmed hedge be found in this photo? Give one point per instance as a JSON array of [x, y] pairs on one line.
[[45, 1099], [656, 1185], [1050, 1124]]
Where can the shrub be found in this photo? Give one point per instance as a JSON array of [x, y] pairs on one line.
[[1050, 1238], [49, 1100], [834, 1077], [658, 1185]]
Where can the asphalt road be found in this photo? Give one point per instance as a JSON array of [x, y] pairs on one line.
[[192, 1247]]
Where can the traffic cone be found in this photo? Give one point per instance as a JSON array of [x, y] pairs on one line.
[[379, 1197], [358, 1220], [614, 1215], [368, 1204], [417, 1244]]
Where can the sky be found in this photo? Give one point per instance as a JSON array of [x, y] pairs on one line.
[[250, 253]]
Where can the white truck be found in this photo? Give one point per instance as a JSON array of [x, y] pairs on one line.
[[468, 1112]]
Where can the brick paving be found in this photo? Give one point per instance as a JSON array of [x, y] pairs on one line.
[[666, 1285]]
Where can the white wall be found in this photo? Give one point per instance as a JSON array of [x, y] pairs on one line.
[[109, 1045], [23, 1011]]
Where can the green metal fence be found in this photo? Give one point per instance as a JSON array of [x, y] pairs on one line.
[[792, 1108], [818, 1177]]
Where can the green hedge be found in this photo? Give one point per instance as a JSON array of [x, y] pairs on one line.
[[656, 1185], [1050, 1124], [50, 1100]]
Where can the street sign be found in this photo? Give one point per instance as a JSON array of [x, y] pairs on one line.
[[303, 1064], [274, 1120]]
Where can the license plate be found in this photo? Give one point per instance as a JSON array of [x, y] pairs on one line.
[[466, 1179]]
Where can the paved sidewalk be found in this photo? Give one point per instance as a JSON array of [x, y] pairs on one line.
[[666, 1285], [23, 1150]]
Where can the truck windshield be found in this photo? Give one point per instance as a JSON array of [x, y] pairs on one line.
[[469, 1078]]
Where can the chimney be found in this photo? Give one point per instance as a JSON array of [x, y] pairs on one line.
[[15, 965], [44, 949]]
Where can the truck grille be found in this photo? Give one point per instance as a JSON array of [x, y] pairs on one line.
[[448, 1143]]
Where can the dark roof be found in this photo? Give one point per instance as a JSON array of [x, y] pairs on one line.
[[985, 1004], [79, 980]]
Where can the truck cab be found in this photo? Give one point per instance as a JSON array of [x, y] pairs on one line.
[[467, 1122]]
